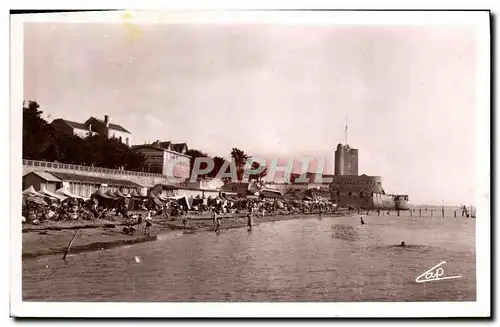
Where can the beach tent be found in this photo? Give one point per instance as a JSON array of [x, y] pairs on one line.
[[154, 200], [30, 191], [100, 193], [44, 191], [269, 193], [65, 192], [162, 197], [182, 199], [36, 200], [111, 194], [120, 194], [134, 194]]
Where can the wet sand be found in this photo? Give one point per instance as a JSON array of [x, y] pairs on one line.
[[53, 237]]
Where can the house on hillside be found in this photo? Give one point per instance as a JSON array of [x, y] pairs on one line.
[[71, 127], [166, 158], [94, 126]]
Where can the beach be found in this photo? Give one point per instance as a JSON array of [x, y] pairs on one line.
[[53, 237]]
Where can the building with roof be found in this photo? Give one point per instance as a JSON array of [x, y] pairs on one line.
[[41, 179], [78, 184], [166, 158], [94, 126]]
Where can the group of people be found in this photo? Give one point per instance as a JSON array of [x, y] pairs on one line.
[[252, 212], [130, 229], [70, 209]]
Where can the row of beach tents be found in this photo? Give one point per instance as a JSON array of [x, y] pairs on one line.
[[40, 197]]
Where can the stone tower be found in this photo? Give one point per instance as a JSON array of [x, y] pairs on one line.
[[346, 160]]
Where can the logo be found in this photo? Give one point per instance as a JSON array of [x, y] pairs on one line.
[[434, 274]]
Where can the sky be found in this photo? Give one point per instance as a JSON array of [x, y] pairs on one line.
[[276, 91]]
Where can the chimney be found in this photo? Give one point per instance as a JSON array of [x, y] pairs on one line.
[[106, 120], [90, 127]]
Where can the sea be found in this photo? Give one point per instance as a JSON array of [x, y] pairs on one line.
[[314, 259]]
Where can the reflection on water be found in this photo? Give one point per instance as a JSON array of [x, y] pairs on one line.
[[328, 259]]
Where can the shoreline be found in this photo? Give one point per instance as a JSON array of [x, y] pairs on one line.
[[39, 241]]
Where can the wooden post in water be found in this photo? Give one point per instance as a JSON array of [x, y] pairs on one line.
[[70, 243], [398, 213], [455, 214], [432, 212], [420, 211], [411, 213]]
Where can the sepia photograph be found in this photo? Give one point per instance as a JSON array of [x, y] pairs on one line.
[[171, 164]]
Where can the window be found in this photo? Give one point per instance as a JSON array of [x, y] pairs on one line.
[[120, 138]]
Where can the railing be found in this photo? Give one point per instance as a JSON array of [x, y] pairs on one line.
[[46, 164]]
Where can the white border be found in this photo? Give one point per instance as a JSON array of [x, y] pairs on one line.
[[440, 309]]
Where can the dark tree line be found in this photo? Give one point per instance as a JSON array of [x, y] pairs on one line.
[[41, 141]]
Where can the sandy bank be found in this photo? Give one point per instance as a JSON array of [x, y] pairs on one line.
[[54, 237]]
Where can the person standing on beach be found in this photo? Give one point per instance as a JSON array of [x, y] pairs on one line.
[[217, 225], [249, 221], [149, 223], [214, 215], [139, 221]]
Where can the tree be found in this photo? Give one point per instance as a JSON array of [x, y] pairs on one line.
[[240, 159], [42, 142], [258, 176], [197, 154], [218, 163], [37, 133]]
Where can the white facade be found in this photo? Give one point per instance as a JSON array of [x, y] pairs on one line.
[[83, 133], [168, 163], [122, 136]]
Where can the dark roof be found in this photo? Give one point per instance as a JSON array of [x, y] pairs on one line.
[[166, 144], [118, 128], [72, 124], [139, 146], [178, 147], [111, 126], [45, 176], [94, 180]]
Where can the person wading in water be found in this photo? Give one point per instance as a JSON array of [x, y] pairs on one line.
[[362, 221]]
